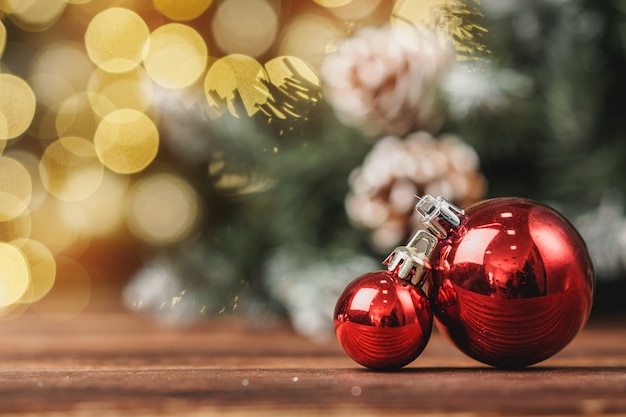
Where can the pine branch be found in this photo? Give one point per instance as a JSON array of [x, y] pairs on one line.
[[463, 22]]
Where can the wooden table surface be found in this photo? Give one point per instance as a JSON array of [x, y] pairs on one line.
[[121, 364]]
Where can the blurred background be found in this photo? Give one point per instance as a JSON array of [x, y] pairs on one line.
[[190, 159]]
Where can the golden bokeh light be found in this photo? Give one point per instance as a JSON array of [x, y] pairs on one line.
[[115, 39], [66, 60], [333, 3], [36, 15], [247, 27], [282, 69], [299, 84], [126, 141], [236, 80], [31, 163], [163, 209], [42, 267], [421, 13], [70, 294], [76, 115], [70, 169], [182, 9], [17, 106], [17, 228], [15, 188], [4, 132], [453, 23], [50, 89], [355, 10], [43, 124], [61, 226], [129, 90], [104, 208], [15, 6], [308, 37], [15, 274], [57, 72], [176, 55], [12, 311], [3, 38]]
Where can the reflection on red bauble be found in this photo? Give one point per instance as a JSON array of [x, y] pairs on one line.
[[512, 284], [382, 322]]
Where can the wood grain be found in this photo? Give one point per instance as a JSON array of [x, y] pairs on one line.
[[121, 364]]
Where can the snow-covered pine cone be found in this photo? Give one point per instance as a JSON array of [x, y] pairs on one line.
[[383, 189], [386, 80]]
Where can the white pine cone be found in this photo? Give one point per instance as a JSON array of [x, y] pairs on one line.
[[383, 189], [383, 81]]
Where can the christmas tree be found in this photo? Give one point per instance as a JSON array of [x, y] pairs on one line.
[[519, 89], [293, 136]]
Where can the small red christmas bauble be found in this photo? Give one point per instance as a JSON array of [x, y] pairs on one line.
[[512, 284], [383, 322]]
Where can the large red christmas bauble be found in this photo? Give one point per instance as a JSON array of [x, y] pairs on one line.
[[512, 284], [383, 322]]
